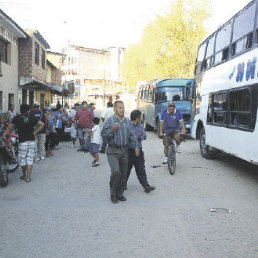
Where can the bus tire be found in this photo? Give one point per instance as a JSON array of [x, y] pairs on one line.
[[146, 126], [205, 149], [158, 128]]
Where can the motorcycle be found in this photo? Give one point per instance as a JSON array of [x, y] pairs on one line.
[[8, 155]]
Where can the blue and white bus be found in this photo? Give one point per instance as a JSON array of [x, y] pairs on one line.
[[226, 75], [154, 96]]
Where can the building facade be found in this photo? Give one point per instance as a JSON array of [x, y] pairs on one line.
[[10, 34], [95, 72], [35, 86]]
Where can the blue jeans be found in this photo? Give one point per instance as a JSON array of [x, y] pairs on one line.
[[139, 165], [85, 145]]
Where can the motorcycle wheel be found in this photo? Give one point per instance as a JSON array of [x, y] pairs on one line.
[[3, 173]]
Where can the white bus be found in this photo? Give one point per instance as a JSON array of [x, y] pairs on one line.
[[226, 74]]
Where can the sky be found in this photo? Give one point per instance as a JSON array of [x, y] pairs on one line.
[[101, 23]]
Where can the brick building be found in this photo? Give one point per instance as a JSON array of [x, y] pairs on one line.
[[33, 71], [10, 33]]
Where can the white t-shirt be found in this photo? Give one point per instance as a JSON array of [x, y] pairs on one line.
[[95, 137], [107, 113]]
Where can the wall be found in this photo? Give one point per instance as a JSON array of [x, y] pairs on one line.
[[9, 80]]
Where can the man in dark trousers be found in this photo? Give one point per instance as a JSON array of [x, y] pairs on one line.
[[138, 162], [118, 131]]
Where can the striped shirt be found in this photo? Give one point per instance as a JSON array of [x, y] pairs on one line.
[[122, 136]]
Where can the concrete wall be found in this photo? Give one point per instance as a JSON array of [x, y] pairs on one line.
[[9, 80]]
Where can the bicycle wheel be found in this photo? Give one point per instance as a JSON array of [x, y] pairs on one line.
[[171, 160]]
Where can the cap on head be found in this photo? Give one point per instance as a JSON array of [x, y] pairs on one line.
[[36, 104], [171, 104]]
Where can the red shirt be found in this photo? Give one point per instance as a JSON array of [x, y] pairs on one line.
[[84, 116]]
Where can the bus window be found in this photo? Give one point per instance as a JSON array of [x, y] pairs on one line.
[[146, 93], [239, 108], [150, 93], [200, 58], [169, 94], [141, 93], [209, 54], [254, 107], [220, 108], [243, 30], [222, 44]]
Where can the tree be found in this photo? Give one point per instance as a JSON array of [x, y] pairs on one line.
[[169, 45]]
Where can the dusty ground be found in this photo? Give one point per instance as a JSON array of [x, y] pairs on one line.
[[66, 211]]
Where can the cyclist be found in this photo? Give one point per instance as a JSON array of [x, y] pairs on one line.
[[171, 118]]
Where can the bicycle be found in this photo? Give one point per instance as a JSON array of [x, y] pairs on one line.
[[172, 154]]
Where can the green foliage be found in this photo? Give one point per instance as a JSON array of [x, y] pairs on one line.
[[169, 45]]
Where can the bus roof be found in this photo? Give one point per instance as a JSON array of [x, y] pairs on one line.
[[174, 82]]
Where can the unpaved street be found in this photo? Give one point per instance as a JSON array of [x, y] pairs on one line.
[[66, 210]]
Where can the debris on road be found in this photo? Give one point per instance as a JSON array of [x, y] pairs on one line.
[[155, 166], [221, 210]]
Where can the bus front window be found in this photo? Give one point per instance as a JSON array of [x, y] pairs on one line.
[[169, 94]]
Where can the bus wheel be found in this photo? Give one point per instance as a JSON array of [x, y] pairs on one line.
[[205, 149], [146, 126], [158, 128]]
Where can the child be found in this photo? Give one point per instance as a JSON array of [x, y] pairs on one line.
[[95, 141]]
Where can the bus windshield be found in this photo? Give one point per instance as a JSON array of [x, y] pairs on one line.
[[169, 94]]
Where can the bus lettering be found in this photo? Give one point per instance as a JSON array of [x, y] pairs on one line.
[[240, 72]]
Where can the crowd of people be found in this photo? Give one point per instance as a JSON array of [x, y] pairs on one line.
[[40, 132]]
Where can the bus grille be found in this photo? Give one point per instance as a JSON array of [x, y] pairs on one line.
[[186, 117]]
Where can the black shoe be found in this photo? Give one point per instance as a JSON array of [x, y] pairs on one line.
[[85, 151], [95, 165], [121, 198], [114, 199], [148, 188], [102, 151], [80, 150]]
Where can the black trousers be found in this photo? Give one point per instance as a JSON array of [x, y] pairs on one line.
[[139, 165], [51, 141], [60, 133]]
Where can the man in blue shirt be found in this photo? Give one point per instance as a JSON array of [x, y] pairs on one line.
[[171, 119], [133, 160]]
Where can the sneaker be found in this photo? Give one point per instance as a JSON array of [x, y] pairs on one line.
[[178, 149], [95, 165], [148, 188], [37, 159], [165, 161], [42, 158]]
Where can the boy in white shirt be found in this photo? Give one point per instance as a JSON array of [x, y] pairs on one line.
[[95, 141]]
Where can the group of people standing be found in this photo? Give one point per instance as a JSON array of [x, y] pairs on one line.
[[121, 138]]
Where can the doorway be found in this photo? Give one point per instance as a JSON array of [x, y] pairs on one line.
[[42, 101], [31, 98]]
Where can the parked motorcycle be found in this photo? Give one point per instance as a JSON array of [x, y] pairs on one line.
[[8, 155]]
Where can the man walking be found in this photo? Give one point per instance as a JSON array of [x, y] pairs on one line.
[[171, 118], [138, 162], [109, 111], [25, 123], [118, 131], [83, 118]]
